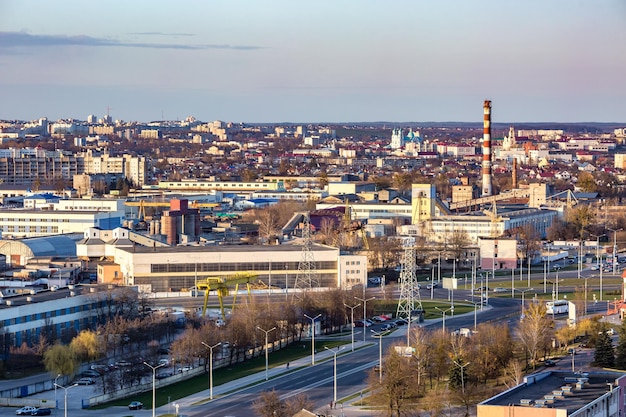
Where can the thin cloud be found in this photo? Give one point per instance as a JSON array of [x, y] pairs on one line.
[[9, 40], [161, 34]]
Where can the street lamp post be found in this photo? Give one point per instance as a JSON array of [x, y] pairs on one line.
[[352, 321], [475, 311], [56, 404], [598, 258], [266, 354], [334, 352], [211, 366], [614, 248], [364, 301], [523, 292], [380, 354], [65, 401], [443, 312], [313, 336], [154, 368], [462, 376]]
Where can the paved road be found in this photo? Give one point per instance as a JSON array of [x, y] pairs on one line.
[[235, 398]]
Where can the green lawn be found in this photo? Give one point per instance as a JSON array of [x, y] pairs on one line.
[[226, 374]]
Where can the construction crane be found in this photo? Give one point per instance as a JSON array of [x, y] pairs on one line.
[[221, 286], [495, 219], [351, 226]]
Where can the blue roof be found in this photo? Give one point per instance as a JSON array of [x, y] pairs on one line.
[[263, 200]]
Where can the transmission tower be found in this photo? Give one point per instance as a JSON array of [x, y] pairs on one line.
[[410, 299], [307, 272]]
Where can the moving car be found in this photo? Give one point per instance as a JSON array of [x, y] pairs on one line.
[[549, 362], [135, 405], [26, 410], [44, 411]]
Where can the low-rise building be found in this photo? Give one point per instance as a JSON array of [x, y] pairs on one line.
[[560, 394]]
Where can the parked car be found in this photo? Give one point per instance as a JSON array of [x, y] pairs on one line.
[[26, 410], [163, 374], [185, 368], [401, 322], [85, 381], [164, 362], [90, 374], [163, 351], [99, 368], [44, 411], [135, 405]]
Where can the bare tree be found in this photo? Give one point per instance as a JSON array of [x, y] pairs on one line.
[[398, 391], [299, 402], [269, 405], [534, 330]]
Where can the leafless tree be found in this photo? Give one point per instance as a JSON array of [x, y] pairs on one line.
[[535, 330]]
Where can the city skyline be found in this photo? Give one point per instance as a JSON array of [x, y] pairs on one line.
[[279, 61]]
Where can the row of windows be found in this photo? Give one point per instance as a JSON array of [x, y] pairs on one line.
[[235, 266], [253, 185], [49, 314], [30, 229], [178, 283], [22, 219]]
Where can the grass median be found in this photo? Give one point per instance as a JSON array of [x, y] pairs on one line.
[[226, 374]]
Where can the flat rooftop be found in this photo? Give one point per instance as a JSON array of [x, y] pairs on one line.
[[225, 248], [557, 389]]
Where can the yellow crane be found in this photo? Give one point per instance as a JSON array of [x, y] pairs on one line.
[[221, 286]]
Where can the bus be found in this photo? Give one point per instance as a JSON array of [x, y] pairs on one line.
[[557, 307]]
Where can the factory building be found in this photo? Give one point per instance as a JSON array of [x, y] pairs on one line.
[[164, 269]]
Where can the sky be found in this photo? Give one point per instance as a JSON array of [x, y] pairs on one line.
[[332, 61]]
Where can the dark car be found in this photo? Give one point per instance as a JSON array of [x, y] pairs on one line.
[[549, 362], [135, 405], [41, 412]]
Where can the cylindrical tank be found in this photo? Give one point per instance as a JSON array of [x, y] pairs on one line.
[[168, 224]]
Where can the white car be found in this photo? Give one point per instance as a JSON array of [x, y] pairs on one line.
[[26, 410]]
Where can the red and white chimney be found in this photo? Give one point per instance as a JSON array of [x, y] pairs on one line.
[[487, 191]]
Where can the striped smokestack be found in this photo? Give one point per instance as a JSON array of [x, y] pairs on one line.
[[487, 148], [514, 174]]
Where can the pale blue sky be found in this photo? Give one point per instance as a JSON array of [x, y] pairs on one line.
[[295, 61]]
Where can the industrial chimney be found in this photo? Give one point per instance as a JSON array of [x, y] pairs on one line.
[[514, 174], [487, 149]]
